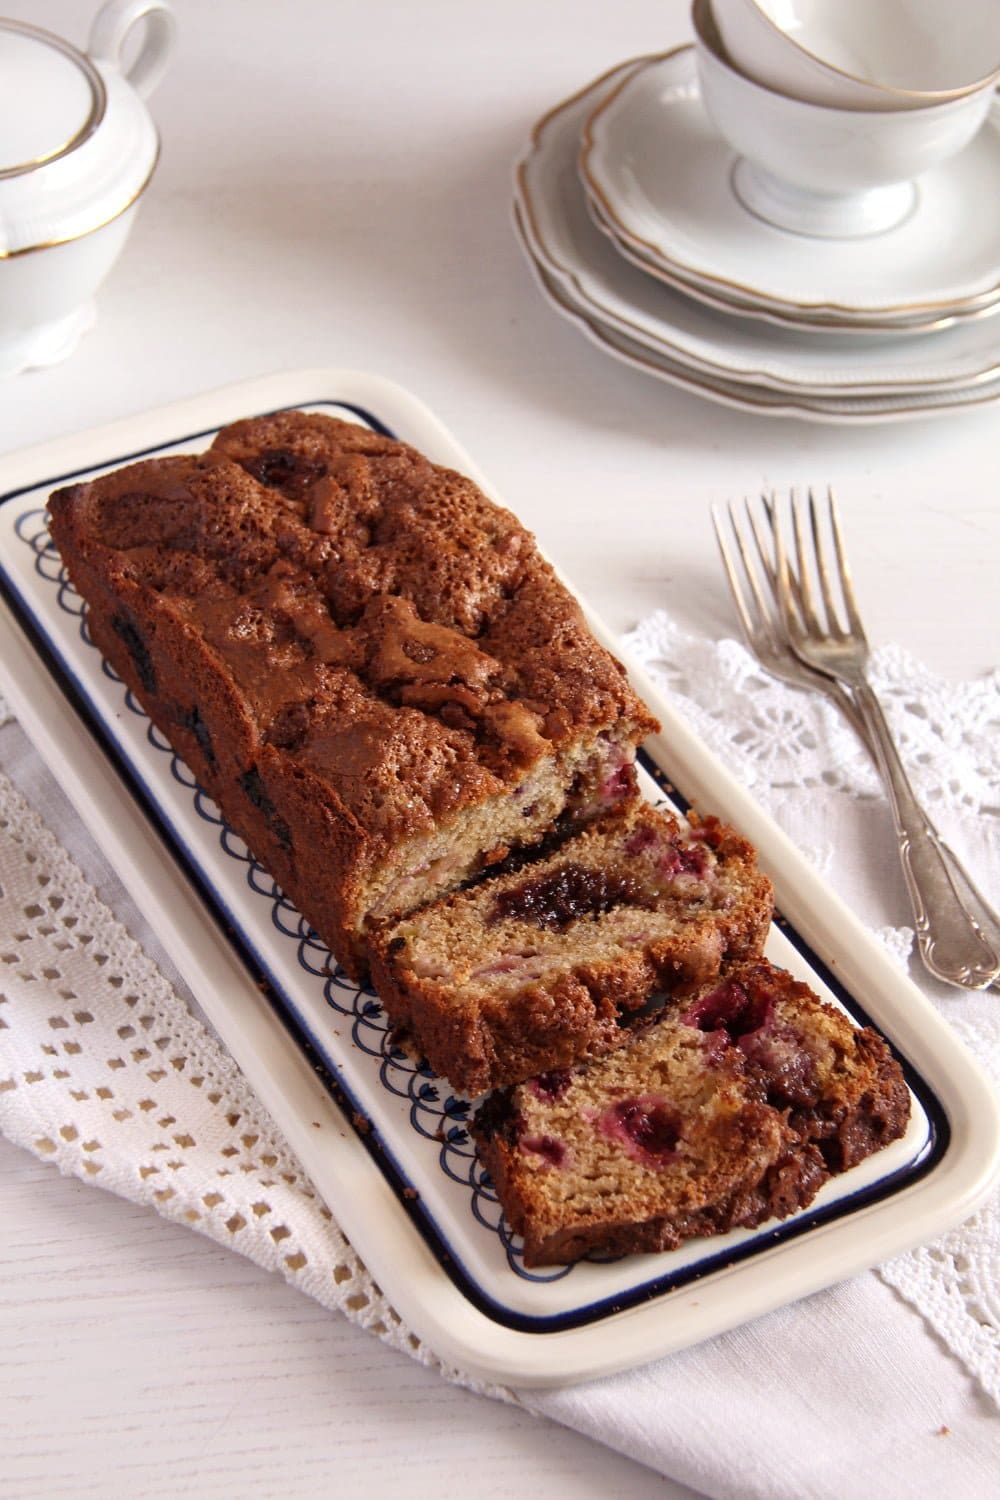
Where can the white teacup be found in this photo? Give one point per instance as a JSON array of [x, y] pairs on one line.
[[836, 173], [864, 54]]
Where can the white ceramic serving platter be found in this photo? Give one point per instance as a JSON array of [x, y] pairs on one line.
[[661, 173], [611, 289], [745, 395], [383, 1141]]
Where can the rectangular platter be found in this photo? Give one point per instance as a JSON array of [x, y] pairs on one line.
[[385, 1142]]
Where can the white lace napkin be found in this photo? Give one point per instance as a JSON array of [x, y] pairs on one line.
[[106, 1072]]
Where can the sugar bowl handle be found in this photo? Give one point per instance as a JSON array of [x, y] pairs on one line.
[[112, 25]]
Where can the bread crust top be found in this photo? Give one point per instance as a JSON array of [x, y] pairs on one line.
[[388, 627]]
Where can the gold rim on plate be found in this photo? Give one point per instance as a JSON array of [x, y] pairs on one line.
[[658, 343], [734, 394], [588, 147], [821, 322]]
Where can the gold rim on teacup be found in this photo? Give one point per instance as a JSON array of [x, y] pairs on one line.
[[915, 97], [723, 285]]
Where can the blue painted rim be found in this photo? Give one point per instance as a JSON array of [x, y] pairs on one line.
[[453, 1111]]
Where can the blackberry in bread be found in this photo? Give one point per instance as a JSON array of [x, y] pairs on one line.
[[538, 966], [732, 1107], [364, 661]]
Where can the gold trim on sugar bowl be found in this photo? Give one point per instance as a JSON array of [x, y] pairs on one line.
[[82, 234], [99, 97]]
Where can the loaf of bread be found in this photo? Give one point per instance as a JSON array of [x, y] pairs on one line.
[[399, 707], [732, 1107], [539, 966], [365, 662]]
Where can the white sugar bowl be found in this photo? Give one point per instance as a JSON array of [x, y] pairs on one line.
[[77, 150]]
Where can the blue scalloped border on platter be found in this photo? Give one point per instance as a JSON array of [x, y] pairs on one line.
[[434, 1112]]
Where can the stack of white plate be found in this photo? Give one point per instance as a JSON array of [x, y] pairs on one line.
[[623, 202]]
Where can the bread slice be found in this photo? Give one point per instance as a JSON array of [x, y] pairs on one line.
[[731, 1108], [539, 966], [365, 661]]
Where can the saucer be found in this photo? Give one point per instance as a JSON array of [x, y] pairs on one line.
[[603, 288], [786, 316], [662, 176], [744, 396]]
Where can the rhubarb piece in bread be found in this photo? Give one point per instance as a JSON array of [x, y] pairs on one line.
[[729, 1109], [363, 660], [537, 967], [838, 1085]]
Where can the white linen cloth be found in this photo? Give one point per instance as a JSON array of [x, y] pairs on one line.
[[889, 1382]]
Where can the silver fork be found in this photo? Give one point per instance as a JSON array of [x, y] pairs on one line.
[[957, 932], [760, 620]]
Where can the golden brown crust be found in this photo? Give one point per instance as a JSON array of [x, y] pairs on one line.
[[353, 648]]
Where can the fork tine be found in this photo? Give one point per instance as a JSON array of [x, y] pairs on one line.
[[829, 602], [768, 502], [763, 607], [763, 551], [846, 582], [783, 589], [766, 633], [731, 573], [807, 600]]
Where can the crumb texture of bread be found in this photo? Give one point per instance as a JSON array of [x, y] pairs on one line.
[[364, 660], [544, 964], [731, 1108]]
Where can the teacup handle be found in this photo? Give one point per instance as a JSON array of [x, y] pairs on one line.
[[112, 25]]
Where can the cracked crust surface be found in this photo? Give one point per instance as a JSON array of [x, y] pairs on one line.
[[361, 657]]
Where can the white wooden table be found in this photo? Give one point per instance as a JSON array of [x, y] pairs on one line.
[[334, 189]]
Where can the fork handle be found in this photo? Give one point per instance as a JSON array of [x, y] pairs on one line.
[[957, 931]]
